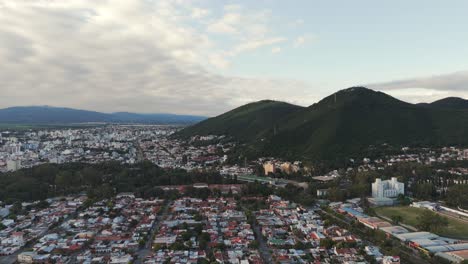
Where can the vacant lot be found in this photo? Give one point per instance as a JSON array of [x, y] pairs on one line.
[[456, 228]]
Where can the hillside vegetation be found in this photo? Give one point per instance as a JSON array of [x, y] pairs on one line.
[[248, 123], [346, 124]]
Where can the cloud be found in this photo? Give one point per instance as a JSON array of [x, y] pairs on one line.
[[242, 24], [302, 40], [276, 50], [228, 24], [457, 81], [130, 55], [255, 44], [200, 12], [299, 41], [427, 89]]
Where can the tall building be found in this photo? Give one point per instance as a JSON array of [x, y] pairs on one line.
[[387, 189], [13, 164], [288, 168], [269, 167]]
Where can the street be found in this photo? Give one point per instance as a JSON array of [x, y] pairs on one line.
[[147, 249]]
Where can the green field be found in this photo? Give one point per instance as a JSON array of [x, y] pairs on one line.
[[455, 229], [255, 178]]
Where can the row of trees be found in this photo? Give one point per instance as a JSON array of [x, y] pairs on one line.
[[99, 180]]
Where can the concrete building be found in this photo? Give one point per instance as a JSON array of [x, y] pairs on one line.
[[269, 167], [288, 168], [387, 189], [13, 165], [391, 260], [27, 257]]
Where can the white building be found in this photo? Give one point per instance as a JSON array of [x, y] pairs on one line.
[[387, 189], [13, 165]]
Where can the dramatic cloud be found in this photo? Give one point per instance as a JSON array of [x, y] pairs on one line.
[[427, 89], [133, 55]]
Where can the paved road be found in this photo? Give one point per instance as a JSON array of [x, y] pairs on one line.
[[146, 250], [263, 247], [10, 259], [140, 155]]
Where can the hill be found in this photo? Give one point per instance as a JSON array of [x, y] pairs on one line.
[[451, 103], [56, 115], [346, 124], [249, 122]]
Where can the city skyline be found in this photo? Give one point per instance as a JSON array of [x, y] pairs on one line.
[[207, 57]]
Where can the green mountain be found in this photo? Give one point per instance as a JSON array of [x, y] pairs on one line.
[[345, 124], [247, 123], [451, 103]]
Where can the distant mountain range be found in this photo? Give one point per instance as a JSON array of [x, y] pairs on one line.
[[59, 115], [343, 124]]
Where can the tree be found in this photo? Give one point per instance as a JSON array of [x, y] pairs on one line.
[[42, 204], [254, 244], [16, 208], [299, 245], [396, 219], [91, 176], [403, 200], [458, 196], [203, 240], [432, 222], [335, 194], [327, 243], [425, 191], [64, 179]]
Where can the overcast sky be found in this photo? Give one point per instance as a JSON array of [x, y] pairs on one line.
[[205, 57]]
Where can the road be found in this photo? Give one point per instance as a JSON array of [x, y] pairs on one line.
[[262, 245], [453, 215], [140, 155], [10, 259], [147, 249], [412, 257]]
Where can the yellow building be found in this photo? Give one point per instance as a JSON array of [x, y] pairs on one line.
[[269, 167]]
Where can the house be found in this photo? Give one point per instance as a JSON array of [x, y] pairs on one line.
[[27, 257]]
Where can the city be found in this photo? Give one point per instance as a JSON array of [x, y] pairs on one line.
[[222, 222], [233, 132]]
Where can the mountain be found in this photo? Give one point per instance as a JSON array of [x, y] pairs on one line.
[[345, 124], [451, 103], [248, 122], [124, 117], [55, 115]]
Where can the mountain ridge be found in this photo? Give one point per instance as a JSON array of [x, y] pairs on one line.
[[451, 102], [53, 115], [344, 124]]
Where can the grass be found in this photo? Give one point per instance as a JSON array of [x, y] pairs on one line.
[[255, 178], [455, 229]]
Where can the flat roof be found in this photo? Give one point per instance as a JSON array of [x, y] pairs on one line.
[[416, 235], [461, 253], [448, 248], [395, 230]]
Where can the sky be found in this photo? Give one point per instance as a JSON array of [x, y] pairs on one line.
[[205, 57]]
